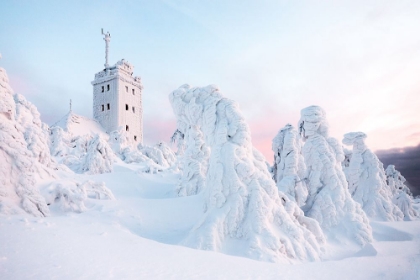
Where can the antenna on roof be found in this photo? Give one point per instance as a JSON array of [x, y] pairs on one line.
[[107, 39], [70, 105]]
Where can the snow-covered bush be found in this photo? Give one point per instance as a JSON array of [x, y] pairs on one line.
[[402, 196], [329, 200], [242, 203], [99, 157], [289, 166], [72, 196], [24, 153], [367, 181]]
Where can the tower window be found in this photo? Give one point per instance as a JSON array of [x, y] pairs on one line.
[[126, 88], [103, 88], [126, 107], [107, 87], [133, 91], [126, 128], [135, 138], [107, 106], [103, 107], [134, 109]]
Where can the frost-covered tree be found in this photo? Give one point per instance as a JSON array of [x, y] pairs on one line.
[[402, 196], [329, 200], [367, 181], [24, 153], [244, 212], [99, 157], [289, 166]]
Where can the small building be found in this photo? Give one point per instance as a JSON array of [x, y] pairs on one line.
[[117, 98]]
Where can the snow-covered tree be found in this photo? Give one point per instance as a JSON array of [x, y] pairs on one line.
[[367, 181], [99, 157], [329, 200], [242, 203], [402, 196], [24, 153], [289, 166]]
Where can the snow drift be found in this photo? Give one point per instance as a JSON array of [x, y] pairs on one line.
[[329, 200], [244, 212]]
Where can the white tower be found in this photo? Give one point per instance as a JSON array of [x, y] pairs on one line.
[[117, 101]]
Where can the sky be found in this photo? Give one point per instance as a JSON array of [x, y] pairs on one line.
[[359, 60]]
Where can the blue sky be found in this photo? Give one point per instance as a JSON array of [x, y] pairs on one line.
[[360, 60]]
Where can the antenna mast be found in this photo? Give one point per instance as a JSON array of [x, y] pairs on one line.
[[107, 39]]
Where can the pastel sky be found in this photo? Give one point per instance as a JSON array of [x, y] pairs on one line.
[[359, 60]]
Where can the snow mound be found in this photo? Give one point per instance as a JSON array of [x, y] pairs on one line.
[[244, 213], [289, 166], [329, 200], [402, 196], [72, 196], [24, 153], [77, 125], [367, 181]]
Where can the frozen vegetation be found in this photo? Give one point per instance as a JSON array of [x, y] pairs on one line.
[[367, 181], [329, 200], [402, 196], [24, 156], [242, 203], [73, 188], [289, 165]]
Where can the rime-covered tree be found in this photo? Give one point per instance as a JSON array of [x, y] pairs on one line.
[[289, 166], [402, 196], [24, 153], [242, 203], [99, 157], [329, 200], [367, 181]]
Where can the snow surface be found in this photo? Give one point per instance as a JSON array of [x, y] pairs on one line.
[[135, 236]]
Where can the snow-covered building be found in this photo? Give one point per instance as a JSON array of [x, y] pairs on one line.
[[117, 97]]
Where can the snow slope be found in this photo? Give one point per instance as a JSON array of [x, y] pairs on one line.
[[135, 237]]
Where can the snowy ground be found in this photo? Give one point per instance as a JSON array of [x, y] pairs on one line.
[[136, 237]]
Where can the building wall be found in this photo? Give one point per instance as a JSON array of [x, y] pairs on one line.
[[120, 94], [108, 118], [128, 117]]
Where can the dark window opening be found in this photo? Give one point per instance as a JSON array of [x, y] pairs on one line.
[[126, 107], [107, 87], [103, 88], [135, 138], [126, 88], [107, 106], [126, 128], [103, 107], [133, 91], [134, 110]]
